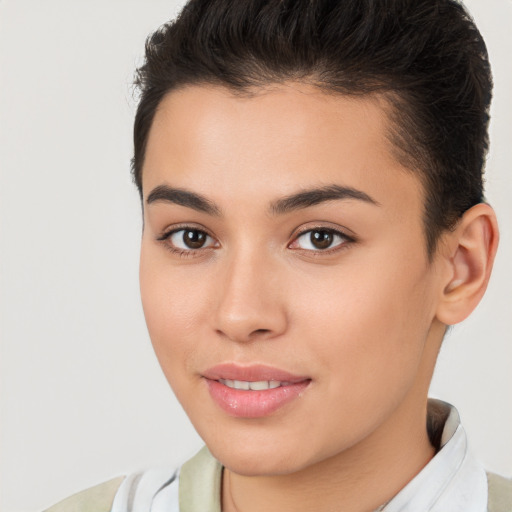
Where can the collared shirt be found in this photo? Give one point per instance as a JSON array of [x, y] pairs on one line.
[[453, 481]]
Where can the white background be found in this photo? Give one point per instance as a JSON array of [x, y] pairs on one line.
[[82, 396]]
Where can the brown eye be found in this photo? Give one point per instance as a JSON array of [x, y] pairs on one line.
[[190, 239], [194, 239], [319, 240]]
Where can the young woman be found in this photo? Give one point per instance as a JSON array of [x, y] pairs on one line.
[[311, 180]]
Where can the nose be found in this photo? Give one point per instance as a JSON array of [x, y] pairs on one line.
[[251, 302]]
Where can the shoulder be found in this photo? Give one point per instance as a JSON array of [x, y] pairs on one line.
[[95, 499], [500, 493], [134, 492]]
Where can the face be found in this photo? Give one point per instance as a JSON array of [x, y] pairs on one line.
[[284, 276]]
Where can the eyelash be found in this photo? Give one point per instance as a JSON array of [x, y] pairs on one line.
[[346, 240], [184, 253], [188, 253]]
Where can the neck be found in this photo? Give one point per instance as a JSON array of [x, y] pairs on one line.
[[360, 479]]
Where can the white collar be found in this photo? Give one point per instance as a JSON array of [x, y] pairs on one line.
[[453, 481]]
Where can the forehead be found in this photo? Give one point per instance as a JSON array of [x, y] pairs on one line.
[[273, 142]]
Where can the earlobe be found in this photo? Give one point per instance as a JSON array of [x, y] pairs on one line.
[[471, 249]]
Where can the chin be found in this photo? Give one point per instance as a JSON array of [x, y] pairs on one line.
[[258, 459], [258, 465]]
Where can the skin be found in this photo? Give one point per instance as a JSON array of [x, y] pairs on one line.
[[363, 319]]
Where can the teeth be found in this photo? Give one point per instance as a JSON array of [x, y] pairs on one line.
[[260, 385], [241, 384]]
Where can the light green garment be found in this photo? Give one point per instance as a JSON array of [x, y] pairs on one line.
[[500, 493], [96, 499], [200, 483]]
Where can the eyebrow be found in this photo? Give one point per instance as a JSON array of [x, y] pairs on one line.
[[164, 193], [298, 201], [315, 196]]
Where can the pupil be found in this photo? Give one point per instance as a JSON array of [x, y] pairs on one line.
[[321, 239], [194, 239]]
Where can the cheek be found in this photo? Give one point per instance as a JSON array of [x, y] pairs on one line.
[[175, 308], [368, 328]]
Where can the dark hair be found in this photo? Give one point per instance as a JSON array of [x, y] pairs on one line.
[[426, 57]]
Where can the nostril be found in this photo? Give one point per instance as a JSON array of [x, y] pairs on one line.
[[259, 331], [244, 337]]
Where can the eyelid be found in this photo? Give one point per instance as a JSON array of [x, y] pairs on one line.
[[167, 234], [338, 231], [323, 226], [169, 230]]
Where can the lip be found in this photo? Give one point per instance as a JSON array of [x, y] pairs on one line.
[[253, 404], [251, 373]]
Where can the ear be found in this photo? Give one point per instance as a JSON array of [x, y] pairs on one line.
[[468, 255]]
